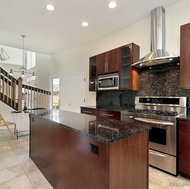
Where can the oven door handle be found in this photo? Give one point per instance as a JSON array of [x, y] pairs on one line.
[[154, 121], [156, 153]]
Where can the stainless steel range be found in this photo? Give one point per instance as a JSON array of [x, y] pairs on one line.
[[160, 113]]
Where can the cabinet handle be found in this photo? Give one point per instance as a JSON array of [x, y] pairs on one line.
[[106, 67], [110, 115], [86, 111], [157, 154]]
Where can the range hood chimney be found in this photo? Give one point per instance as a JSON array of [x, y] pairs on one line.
[[158, 54]]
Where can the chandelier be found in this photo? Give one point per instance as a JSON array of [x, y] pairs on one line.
[[3, 55], [23, 69]]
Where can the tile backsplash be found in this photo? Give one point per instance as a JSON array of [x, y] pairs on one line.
[[160, 81], [116, 98]]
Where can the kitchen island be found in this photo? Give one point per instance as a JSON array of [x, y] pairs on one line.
[[78, 151]]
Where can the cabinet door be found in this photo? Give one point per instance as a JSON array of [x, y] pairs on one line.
[[129, 76], [185, 56], [184, 148], [108, 62], [113, 60], [92, 73], [101, 64], [125, 70]]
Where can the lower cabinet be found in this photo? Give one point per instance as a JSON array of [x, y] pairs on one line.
[[184, 148], [102, 113], [109, 114], [89, 111]]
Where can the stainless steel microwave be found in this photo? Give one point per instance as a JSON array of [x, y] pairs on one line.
[[108, 81]]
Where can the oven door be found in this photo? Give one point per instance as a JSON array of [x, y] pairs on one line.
[[162, 135]]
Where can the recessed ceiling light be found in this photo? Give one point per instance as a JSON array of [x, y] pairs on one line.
[[112, 5], [50, 7], [84, 24]]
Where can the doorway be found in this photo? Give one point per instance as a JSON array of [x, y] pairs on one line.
[[55, 91], [76, 92]]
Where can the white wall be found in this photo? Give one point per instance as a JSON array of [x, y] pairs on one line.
[[43, 71], [77, 60], [15, 55]]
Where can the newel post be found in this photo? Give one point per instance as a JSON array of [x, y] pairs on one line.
[[19, 94]]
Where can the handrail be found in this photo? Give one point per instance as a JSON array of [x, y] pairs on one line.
[[18, 95]]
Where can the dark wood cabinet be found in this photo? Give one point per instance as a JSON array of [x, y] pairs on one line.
[[92, 73], [184, 148], [107, 62], [109, 114], [117, 60], [185, 56], [101, 63], [101, 113], [89, 111], [113, 60], [129, 76]]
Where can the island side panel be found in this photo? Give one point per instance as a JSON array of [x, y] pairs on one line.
[[78, 167], [65, 158], [129, 162], [42, 146]]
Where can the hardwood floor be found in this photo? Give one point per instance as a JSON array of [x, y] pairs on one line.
[[17, 171]]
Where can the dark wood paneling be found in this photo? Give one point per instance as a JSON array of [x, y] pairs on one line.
[[66, 159], [76, 166], [129, 163], [184, 148], [185, 56], [107, 62], [134, 71], [113, 60], [100, 63], [184, 126]]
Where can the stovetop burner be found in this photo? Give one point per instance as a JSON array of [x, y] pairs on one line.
[[155, 112]]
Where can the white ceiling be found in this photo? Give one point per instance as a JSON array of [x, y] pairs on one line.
[[52, 32]]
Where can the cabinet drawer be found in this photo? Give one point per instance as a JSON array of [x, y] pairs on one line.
[[184, 126], [109, 114], [89, 111]]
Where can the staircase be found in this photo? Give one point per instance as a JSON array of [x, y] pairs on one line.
[[18, 95]]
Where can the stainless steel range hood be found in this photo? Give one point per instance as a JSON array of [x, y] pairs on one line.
[[158, 54]]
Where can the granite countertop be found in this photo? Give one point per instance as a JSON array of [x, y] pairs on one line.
[[101, 129]]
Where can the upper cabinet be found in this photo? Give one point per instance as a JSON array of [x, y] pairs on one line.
[[129, 76], [92, 73], [185, 56], [107, 62], [117, 60]]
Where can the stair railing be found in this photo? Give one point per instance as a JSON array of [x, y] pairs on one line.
[[19, 96]]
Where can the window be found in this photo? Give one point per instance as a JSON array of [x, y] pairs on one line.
[[56, 85], [31, 60]]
